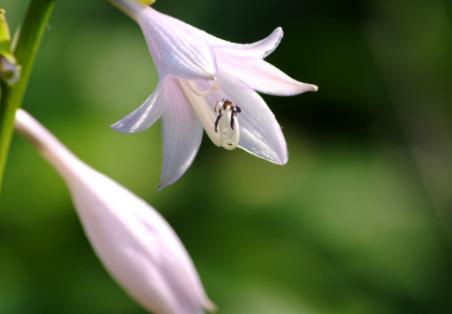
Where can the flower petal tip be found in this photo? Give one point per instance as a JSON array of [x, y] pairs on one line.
[[119, 127], [273, 41], [282, 155], [122, 127], [282, 160], [303, 88], [279, 33], [165, 182], [276, 157], [160, 187], [298, 88], [210, 307]]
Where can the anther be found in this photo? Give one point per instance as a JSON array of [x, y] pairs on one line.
[[227, 124]]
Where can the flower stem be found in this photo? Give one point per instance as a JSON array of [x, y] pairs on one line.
[[30, 38], [130, 7], [47, 144]]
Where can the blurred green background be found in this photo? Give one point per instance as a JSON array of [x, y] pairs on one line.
[[358, 221]]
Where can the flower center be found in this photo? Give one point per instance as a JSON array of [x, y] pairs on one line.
[[227, 124], [220, 123]]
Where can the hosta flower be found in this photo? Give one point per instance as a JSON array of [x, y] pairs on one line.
[[208, 83], [135, 244]]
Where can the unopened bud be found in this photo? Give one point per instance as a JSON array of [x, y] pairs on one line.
[[9, 69]]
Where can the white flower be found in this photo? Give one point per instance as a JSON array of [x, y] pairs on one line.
[[198, 73], [135, 244]]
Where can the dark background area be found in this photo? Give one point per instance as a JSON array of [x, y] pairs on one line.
[[358, 221]]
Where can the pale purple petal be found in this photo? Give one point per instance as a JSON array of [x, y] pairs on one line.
[[260, 133], [145, 115], [182, 134], [176, 46], [260, 49], [261, 75]]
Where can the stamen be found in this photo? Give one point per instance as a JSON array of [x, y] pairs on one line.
[[223, 129], [228, 127]]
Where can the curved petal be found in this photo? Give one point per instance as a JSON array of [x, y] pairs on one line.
[[260, 49], [145, 115], [260, 133], [182, 135], [177, 46], [262, 76]]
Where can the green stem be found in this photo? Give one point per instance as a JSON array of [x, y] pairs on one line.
[[31, 34]]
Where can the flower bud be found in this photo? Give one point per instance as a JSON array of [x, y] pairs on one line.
[[133, 241]]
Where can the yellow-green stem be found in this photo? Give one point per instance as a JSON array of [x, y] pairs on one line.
[[30, 38]]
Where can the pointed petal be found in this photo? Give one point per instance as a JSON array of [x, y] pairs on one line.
[[262, 76], [260, 49], [177, 46], [260, 133], [182, 134], [145, 115]]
